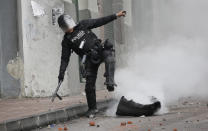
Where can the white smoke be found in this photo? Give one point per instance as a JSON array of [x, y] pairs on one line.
[[173, 68], [169, 56], [170, 69]]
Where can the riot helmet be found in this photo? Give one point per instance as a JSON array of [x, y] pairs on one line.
[[66, 22]]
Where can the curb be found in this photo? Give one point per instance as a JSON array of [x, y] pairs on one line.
[[50, 117]]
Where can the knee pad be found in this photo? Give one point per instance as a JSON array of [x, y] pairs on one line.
[[108, 49], [108, 45], [110, 59], [109, 55]]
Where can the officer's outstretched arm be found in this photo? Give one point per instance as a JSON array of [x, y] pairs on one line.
[[65, 55], [94, 23]]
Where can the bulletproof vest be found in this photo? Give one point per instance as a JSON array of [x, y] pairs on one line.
[[82, 41]]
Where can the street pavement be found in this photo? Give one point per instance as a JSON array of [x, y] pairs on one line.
[[186, 115], [14, 109]]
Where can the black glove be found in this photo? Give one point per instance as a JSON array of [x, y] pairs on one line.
[[110, 88], [61, 77]]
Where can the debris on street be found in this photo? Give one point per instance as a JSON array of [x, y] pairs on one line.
[[123, 123], [130, 122], [175, 129], [65, 128], [92, 123]]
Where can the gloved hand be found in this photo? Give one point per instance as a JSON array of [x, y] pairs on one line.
[[121, 13], [61, 77], [110, 88]]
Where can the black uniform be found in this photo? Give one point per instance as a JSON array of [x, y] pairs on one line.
[[84, 42]]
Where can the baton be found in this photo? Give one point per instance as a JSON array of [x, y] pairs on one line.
[[55, 94]]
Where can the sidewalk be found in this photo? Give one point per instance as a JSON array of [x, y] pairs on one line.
[[12, 110]]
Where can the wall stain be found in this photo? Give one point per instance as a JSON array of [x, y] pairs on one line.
[[15, 68]]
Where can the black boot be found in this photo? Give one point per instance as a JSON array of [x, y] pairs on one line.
[[91, 113], [109, 72]]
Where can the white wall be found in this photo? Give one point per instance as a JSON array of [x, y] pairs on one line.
[[42, 52], [92, 6]]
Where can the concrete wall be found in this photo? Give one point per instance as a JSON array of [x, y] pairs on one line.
[[41, 42], [0, 65], [9, 86]]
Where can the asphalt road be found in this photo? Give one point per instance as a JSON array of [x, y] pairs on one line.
[[186, 116]]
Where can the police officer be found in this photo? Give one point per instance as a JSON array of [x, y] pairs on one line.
[[81, 40]]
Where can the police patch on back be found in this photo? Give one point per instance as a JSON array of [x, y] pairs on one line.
[[78, 36]]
